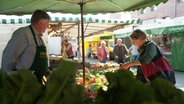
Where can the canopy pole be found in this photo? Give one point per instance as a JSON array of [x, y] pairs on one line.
[[78, 42], [82, 32]]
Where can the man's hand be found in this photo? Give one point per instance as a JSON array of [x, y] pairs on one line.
[[108, 57], [116, 57]]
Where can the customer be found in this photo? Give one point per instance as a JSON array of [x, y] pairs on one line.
[[89, 51], [151, 63], [134, 51], [68, 48], [103, 53], [120, 51], [26, 48]]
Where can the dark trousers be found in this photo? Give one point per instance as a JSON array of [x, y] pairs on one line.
[[120, 61], [89, 55]]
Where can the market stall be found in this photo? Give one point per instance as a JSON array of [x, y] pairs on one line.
[[176, 42], [61, 86], [78, 6], [169, 38]]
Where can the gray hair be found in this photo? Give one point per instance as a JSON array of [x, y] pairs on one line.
[[119, 39]]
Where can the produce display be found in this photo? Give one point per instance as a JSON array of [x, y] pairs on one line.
[[95, 79], [64, 86], [102, 66], [56, 60]]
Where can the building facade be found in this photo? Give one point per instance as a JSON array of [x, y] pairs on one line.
[[170, 10]]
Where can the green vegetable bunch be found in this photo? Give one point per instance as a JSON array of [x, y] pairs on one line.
[[123, 88], [22, 87], [165, 92], [19, 87], [61, 87]]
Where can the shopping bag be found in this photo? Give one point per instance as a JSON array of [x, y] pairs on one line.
[[161, 68]]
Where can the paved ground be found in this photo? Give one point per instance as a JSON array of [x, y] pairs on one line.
[[178, 74], [179, 79]]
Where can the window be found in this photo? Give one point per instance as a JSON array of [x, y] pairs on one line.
[[142, 11], [153, 8], [111, 43], [166, 17]]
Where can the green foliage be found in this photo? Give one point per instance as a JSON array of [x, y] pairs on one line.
[[22, 87], [19, 87], [165, 92], [121, 88], [101, 97], [124, 89], [4, 99], [61, 86], [141, 93], [25, 87]]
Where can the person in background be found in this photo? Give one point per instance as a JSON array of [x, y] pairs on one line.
[[103, 52], [134, 51], [164, 39], [26, 48], [149, 53], [89, 51], [67, 47], [160, 49], [120, 51]]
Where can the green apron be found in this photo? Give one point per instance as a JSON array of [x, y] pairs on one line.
[[40, 63]]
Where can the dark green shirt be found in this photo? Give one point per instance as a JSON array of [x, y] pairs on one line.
[[149, 52]]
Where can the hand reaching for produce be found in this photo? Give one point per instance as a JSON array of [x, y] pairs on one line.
[[116, 57], [126, 65], [129, 64]]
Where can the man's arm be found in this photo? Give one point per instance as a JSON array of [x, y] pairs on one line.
[[15, 47], [114, 51], [125, 49], [99, 54], [68, 47], [107, 53]]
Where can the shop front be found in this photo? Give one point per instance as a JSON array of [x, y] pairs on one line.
[[171, 39]]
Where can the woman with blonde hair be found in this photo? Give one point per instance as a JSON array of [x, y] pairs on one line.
[[67, 49], [103, 52]]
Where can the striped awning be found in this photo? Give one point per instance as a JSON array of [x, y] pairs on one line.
[[69, 24], [55, 19]]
